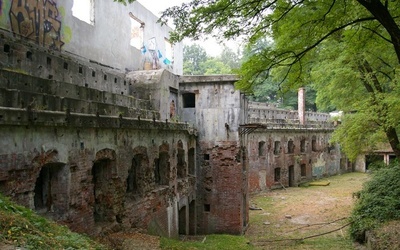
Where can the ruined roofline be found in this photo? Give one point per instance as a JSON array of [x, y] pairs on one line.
[[208, 78]]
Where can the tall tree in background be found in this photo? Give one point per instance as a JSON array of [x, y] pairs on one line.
[[231, 58], [348, 49], [193, 58], [197, 62]]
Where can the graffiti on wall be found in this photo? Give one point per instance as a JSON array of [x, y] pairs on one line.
[[37, 20]]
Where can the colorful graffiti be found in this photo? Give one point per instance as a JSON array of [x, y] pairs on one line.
[[37, 20]]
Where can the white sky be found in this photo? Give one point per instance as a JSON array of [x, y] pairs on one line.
[[212, 47]]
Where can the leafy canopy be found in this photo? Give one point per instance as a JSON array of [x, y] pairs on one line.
[[349, 51], [197, 62]]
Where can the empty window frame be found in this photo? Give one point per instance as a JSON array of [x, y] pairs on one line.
[[314, 144], [290, 146], [261, 148], [303, 145], [303, 170], [277, 174], [169, 50], [84, 10], [189, 100], [137, 30], [277, 147]]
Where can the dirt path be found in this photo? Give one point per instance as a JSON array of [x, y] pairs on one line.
[[296, 213]]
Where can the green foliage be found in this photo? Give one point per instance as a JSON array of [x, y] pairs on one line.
[[124, 1], [378, 202], [21, 227], [211, 242], [197, 62], [193, 58]]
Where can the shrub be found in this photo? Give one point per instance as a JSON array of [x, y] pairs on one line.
[[378, 202]]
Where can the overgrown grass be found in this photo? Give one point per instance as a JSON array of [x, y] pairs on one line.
[[378, 202], [211, 242], [271, 229], [21, 227]]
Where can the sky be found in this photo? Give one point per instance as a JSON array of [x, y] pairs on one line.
[[157, 6], [212, 47]]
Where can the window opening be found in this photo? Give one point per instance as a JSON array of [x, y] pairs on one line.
[[189, 100], [277, 147], [51, 188], [29, 55], [192, 217], [314, 144], [103, 186], [303, 145], [303, 170], [182, 221], [137, 30], [191, 161], [181, 165], [7, 48], [261, 148], [161, 169], [277, 174], [207, 208], [134, 173], [169, 50], [290, 146], [84, 10]]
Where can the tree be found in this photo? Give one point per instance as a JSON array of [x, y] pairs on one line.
[[214, 66], [349, 50], [197, 62], [193, 58], [230, 58]]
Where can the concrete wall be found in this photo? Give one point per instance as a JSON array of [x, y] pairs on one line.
[[265, 112], [161, 88], [106, 41], [222, 185]]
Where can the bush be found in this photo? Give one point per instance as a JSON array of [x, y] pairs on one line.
[[378, 202]]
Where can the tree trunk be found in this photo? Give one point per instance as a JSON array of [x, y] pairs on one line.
[[382, 14], [391, 134]]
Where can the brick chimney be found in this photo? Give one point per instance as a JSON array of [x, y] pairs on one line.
[[302, 105]]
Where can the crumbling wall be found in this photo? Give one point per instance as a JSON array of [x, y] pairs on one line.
[[84, 153], [95, 164], [215, 109], [266, 113], [290, 157], [55, 26]]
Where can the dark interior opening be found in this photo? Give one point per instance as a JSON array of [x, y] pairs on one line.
[[189, 100]]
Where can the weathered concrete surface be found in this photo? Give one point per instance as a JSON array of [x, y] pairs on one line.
[[222, 178], [105, 40]]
